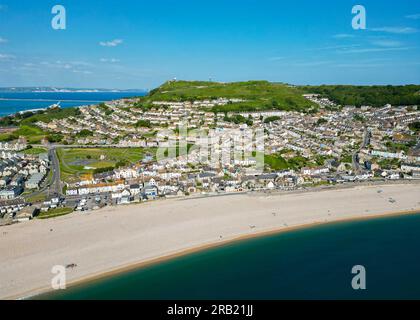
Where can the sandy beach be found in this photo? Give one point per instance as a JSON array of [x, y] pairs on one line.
[[114, 239]]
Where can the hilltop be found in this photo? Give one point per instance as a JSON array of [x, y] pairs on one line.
[[264, 95], [257, 95]]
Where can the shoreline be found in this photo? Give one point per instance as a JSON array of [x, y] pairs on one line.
[[148, 263], [77, 102], [299, 214]]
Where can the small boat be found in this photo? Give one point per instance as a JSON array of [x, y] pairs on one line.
[[55, 106]]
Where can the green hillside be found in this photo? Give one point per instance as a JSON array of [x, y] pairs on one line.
[[376, 96], [259, 95]]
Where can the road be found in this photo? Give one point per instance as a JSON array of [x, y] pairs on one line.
[[52, 186], [355, 162], [355, 156], [55, 186]]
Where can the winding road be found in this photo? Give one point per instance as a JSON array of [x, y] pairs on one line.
[[355, 156], [52, 185]]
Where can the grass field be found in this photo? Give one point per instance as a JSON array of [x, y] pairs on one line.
[[79, 161], [47, 116], [277, 162], [259, 95], [28, 129], [53, 213], [36, 199], [32, 133], [35, 151]]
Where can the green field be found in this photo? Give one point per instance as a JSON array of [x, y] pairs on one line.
[[259, 95], [48, 115], [54, 213], [35, 199], [277, 162], [27, 128], [264, 95], [35, 151], [75, 162], [32, 133]]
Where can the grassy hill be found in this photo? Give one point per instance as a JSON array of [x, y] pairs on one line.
[[32, 133], [259, 95], [25, 124], [376, 96]]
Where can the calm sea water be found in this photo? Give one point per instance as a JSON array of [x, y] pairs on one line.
[[12, 102], [313, 263]]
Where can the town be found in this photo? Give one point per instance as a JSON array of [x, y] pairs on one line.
[[120, 152]]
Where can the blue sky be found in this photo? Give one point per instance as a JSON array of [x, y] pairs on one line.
[[140, 44]]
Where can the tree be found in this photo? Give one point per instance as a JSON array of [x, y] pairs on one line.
[[415, 126], [271, 119], [85, 133], [321, 121], [143, 124], [54, 137]]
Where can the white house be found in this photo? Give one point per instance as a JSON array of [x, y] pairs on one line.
[[126, 173], [314, 171], [407, 168], [71, 192], [389, 155]]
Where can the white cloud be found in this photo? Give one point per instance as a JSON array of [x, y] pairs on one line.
[[358, 65], [57, 64], [6, 57], [29, 66], [396, 30], [343, 36], [413, 16], [112, 60], [370, 50], [387, 43], [276, 58], [82, 71], [3, 40], [112, 43], [338, 47], [80, 63], [67, 65]]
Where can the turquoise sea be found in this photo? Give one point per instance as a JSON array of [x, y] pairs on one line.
[[311, 263], [13, 102]]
